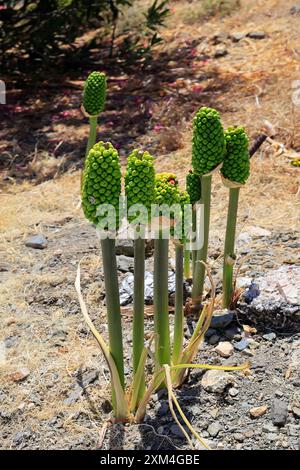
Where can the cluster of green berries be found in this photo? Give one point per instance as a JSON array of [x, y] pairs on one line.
[[184, 198], [208, 141], [193, 186], [140, 179], [236, 166], [94, 93], [101, 181], [166, 189]]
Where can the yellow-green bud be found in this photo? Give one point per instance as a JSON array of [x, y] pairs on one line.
[[236, 165], [94, 93], [208, 141], [101, 181]]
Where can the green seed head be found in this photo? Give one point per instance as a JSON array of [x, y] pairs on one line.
[[208, 141], [94, 93], [166, 189], [193, 186], [236, 166], [101, 181], [184, 198], [140, 179]]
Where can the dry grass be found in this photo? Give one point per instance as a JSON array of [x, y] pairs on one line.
[[193, 12]]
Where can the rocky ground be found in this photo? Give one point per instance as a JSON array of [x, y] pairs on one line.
[[54, 383]]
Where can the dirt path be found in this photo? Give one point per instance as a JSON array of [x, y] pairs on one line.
[[54, 383]]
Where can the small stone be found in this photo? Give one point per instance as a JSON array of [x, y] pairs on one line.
[[74, 396], [269, 336], [239, 437], [87, 378], [214, 412], [216, 381], [124, 263], [296, 411], [258, 411], [251, 293], [293, 430], [233, 333], [220, 37], [210, 332], [279, 412], [163, 409], [269, 427], [21, 436], [295, 10], [221, 319], [214, 429], [252, 343], [175, 429], [125, 247], [214, 339], [257, 35], [278, 394], [10, 341], [38, 242], [258, 232], [241, 345], [236, 37], [221, 51], [18, 375], [247, 352], [249, 434], [225, 349], [233, 392]]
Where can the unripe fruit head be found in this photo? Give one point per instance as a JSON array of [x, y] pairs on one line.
[[236, 165], [166, 189], [94, 93], [208, 141], [101, 181], [140, 179], [193, 186]]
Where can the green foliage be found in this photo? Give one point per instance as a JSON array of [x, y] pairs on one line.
[[193, 186], [208, 141], [139, 44], [41, 31], [140, 179], [236, 166], [101, 181], [94, 93]]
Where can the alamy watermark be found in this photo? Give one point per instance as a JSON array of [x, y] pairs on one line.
[[182, 224], [2, 92]]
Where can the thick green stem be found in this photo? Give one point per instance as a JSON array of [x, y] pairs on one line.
[[229, 255], [92, 134], [138, 307], [201, 255], [187, 264], [178, 319], [194, 227], [160, 300], [113, 306]]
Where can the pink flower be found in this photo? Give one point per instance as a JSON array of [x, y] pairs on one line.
[[197, 89], [158, 127], [65, 114]]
